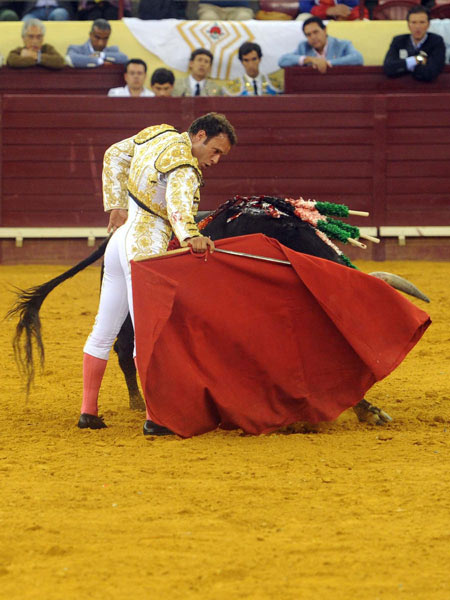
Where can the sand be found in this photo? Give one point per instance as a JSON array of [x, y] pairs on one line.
[[349, 511]]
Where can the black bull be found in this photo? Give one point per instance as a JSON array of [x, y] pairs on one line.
[[290, 231]]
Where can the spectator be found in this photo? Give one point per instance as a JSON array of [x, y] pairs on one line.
[[48, 10], [224, 10], [162, 9], [10, 11], [197, 83], [339, 10], [34, 51], [135, 72], [162, 82], [422, 54], [95, 51], [252, 82], [90, 10], [321, 51]]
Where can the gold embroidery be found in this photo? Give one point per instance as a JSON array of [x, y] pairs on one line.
[[150, 133]]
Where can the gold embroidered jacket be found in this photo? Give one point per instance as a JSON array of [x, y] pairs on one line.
[[158, 169]]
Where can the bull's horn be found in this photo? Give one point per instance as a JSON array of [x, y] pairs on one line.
[[399, 283]]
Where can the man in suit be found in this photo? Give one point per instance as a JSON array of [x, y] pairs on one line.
[[252, 83], [95, 51], [421, 54], [321, 51], [197, 83], [34, 52]]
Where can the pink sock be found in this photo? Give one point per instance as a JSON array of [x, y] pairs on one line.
[[93, 370]]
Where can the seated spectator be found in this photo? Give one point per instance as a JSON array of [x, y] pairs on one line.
[[162, 82], [90, 10], [224, 10], [252, 82], [34, 51], [10, 11], [198, 83], [48, 10], [95, 51], [162, 9], [321, 51], [339, 10], [135, 72], [421, 54]]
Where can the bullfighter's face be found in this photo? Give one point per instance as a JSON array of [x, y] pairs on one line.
[[250, 62], [209, 152]]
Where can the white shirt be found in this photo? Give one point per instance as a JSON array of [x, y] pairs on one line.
[[125, 92], [193, 83]]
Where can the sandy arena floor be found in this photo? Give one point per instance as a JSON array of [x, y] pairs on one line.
[[350, 512]]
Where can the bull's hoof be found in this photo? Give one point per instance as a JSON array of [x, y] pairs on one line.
[[368, 413], [151, 428], [136, 402], [87, 421]]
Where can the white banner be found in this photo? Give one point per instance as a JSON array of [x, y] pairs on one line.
[[172, 41]]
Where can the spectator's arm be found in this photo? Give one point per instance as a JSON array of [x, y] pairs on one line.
[[50, 58], [434, 65], [114, 55], [80, 60], [305, 6], [293, 59], [350, 56], [19, 62], [394, 66]]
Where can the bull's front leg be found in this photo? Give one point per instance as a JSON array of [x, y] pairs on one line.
[[124, 346], [369, 413]]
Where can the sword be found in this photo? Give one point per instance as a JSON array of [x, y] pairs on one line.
[[256, 256]]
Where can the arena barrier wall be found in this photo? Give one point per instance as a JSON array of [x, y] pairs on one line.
[[381, 152]]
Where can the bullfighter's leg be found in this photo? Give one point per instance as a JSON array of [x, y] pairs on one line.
[[113, 309]]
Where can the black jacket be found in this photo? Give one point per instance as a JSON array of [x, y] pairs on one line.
[[434, 46]]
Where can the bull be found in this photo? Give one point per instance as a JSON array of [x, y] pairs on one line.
[[273, 217]]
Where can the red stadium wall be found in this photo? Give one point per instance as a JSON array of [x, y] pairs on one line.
[[381, 152]]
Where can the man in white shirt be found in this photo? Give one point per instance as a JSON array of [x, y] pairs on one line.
[[198, 83], [253, 82], [135, 73]]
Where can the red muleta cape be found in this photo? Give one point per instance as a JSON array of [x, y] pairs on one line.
[[235, 342]]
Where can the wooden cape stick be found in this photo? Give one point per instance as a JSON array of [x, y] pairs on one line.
[[366, 236], [356, 243], [358, 213]]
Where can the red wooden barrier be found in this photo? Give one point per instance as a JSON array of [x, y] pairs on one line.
[[387, 154], [361, 80], [38, 80]]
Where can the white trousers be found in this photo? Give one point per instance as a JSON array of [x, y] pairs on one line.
[[116, 297]]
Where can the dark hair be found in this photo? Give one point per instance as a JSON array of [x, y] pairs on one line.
[[416, 10], [136, 61], [101, 24], [248, 47], [162, 76], [214, 124], [319, 22], [199, 51]]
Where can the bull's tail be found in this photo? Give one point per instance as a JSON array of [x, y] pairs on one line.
[[26, 308], [401, 284]]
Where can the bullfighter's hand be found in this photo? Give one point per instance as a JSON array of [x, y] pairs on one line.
[[117, 217], [200, 244]]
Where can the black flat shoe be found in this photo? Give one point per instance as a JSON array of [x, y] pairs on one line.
[[87, 421], [151, 428]]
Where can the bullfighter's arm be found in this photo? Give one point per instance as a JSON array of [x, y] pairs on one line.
[[182, 199], [116, 167]]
